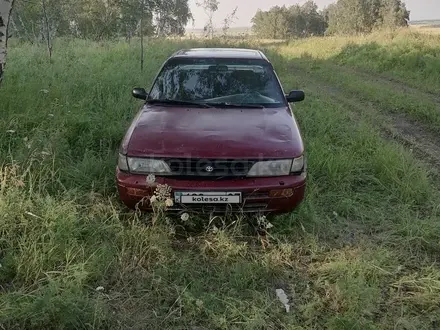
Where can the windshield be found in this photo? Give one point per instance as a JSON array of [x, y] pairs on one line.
[[218, 81]]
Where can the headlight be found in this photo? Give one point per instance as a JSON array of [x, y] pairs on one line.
[[297, 165], [277, 167], [143, 165], [271, 168], [122, 163], [147, 165]]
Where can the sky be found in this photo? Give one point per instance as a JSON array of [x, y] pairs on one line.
[[420, 10]]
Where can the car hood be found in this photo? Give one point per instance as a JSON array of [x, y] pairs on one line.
[[180, 132]]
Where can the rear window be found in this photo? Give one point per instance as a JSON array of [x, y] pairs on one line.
[[218, 81]]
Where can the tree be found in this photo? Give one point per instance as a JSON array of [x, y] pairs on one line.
[[5, 14], [294, 21], [210, 7], [97, 19], [47, 28], [41, 20], [363, 16], [172, 17], [350, 16], [314, 22], [142, 34], [393, 13], [273, 24], [131, 13], [327, 11], [228, 20], [297, 22]]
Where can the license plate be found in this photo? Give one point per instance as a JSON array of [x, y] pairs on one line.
[[195, 197]]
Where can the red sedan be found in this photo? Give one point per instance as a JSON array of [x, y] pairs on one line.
[[217, 128]]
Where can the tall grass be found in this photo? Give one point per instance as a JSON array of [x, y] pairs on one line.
[[405, 55], [360, 253]]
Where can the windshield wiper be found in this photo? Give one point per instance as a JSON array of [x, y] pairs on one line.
[[178, 102], [236, 105]]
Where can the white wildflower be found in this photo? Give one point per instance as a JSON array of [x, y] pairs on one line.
[[190, 239], [151, 178], [45, 91], [153, 199], [100, 288], [51, 115], [184, 217], [263, 223], [10, 131], [261, 219], [163, 192]]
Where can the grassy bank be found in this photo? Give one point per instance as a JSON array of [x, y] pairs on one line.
[[404, 55], [360, 253]]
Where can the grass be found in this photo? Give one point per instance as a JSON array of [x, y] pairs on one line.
[[360, 253], [429, 27], [403, 55]]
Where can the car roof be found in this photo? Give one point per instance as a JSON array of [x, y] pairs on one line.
[[235, 53]]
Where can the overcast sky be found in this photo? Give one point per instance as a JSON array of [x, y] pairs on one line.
[[420, 9]]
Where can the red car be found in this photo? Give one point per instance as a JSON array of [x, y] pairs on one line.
[[217, 128]]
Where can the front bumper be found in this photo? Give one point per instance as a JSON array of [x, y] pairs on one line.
[[274, 195]]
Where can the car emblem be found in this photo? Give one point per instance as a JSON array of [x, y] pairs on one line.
[[209, 168]]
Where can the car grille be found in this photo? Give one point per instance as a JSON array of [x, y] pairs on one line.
[[210, 168]]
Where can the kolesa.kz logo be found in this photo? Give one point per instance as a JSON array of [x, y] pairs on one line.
[[210, 199]]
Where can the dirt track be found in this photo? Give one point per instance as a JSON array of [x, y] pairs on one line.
[[421, 139]]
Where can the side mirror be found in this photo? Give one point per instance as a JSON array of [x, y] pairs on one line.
[[140, 93], [295, 96]]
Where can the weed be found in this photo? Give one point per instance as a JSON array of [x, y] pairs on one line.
[[360, 253]]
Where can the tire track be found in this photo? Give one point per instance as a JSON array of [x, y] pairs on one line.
[[389, 81], [417, 137], [394, 82]]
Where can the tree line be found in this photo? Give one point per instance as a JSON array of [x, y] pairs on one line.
[[44, 20], [98, 19], [105, 19], [341, 17]]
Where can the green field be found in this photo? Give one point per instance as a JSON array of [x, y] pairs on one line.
[[362, 251], [425, 22]]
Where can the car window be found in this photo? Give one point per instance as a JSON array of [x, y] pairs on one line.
[[218, 82]]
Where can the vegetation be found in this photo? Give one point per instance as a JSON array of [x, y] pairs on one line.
[[405, 56], [431, 27], [5, 14], [341, 17], [101, 20], [295, 21], [98, 19], [362, 16], [210, 7], [360, 253]]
